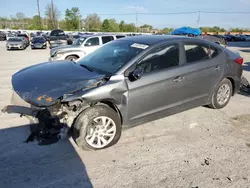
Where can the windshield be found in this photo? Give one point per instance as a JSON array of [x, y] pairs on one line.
[[111, 57], [15, 39], [57, 33], [39, 39], [79, 41]]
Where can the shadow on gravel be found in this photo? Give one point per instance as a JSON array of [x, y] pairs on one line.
[[246, 51], [30, 165], [246, 66]]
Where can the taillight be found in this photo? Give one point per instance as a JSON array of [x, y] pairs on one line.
[[239, 60]]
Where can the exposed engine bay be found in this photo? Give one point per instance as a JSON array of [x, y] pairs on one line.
[[50, 124]]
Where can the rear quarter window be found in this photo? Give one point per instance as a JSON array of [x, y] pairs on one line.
[[199, 52]]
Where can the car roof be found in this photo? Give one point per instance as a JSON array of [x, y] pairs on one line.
[[99, 35], [154, 39]]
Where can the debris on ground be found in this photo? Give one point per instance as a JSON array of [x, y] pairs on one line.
[[245, 85], [216, 178], [229, 179], [206, 162]]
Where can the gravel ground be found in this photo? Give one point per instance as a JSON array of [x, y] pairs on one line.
[[197, 148]]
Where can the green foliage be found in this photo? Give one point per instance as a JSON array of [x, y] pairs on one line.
[[93, 22], [72, 19], [110, 25], [215, 29], [167, 30]]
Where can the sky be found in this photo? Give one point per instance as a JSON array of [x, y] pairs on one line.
[[29, 8]]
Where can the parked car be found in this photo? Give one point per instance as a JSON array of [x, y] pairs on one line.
[[2, 36], [126, 82], [81, 47], [218, 40], [243, 37], [11, 35], [25, 36], [57, 38], [232, 38], [15, 43], [38, 43]]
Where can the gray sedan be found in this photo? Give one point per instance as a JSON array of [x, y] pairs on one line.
[[126, 82], [15, 43]]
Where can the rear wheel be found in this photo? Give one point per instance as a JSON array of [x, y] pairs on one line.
[[97, 128], [71, 57], [222, 94]]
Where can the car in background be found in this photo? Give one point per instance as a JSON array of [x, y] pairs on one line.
[[57, 38], [25, 36], [212, 38], [124, 83], [232, 38], [3, 36], [244, 37], [38, 42], [11, 35], [81, 47], [17, 43]]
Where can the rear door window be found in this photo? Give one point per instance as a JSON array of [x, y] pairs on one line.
[[92, 42], [199, 52], [106, 39], [119, 36]]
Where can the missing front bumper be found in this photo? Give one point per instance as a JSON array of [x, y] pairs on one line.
[[47, 130]]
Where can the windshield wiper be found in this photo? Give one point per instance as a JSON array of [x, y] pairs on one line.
[[86, 67]]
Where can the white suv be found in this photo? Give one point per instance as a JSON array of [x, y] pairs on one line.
[[81, 47]]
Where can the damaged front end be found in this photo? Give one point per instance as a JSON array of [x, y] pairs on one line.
[[41, 101]]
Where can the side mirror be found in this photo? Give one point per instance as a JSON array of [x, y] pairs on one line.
[[136, 74], [88, 44]]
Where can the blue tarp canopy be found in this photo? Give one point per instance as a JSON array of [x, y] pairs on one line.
[[186, 31]]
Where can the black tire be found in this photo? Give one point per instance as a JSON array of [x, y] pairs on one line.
[[214, 101], [84, 121], [71, 58]]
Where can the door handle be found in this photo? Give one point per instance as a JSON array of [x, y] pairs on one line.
[[217, 68], [178, 79]]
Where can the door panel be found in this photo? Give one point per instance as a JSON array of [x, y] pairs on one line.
[[201, 77], [154, 93]]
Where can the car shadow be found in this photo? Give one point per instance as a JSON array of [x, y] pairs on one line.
[[30, 165], [246, 66]]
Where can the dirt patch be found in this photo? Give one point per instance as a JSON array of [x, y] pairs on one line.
[[242, 121]]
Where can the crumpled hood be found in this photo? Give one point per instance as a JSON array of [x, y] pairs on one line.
[[41, 85]]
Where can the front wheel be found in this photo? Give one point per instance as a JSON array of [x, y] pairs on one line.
[[97, 128], [222, 94]]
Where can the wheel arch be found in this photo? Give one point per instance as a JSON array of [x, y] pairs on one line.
[[113, 106], [72, 55], [233, 84]]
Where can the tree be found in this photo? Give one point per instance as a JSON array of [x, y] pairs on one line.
[[72, 18], [105, 25], [93, 22], [167, 30], [52, 16], [122, 26], [146, 28], [113, 26], [20, 16], [130, 27]]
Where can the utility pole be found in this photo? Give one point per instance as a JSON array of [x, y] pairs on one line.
[[53, 14], [136, 21], [39, 15], [199, 17]]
